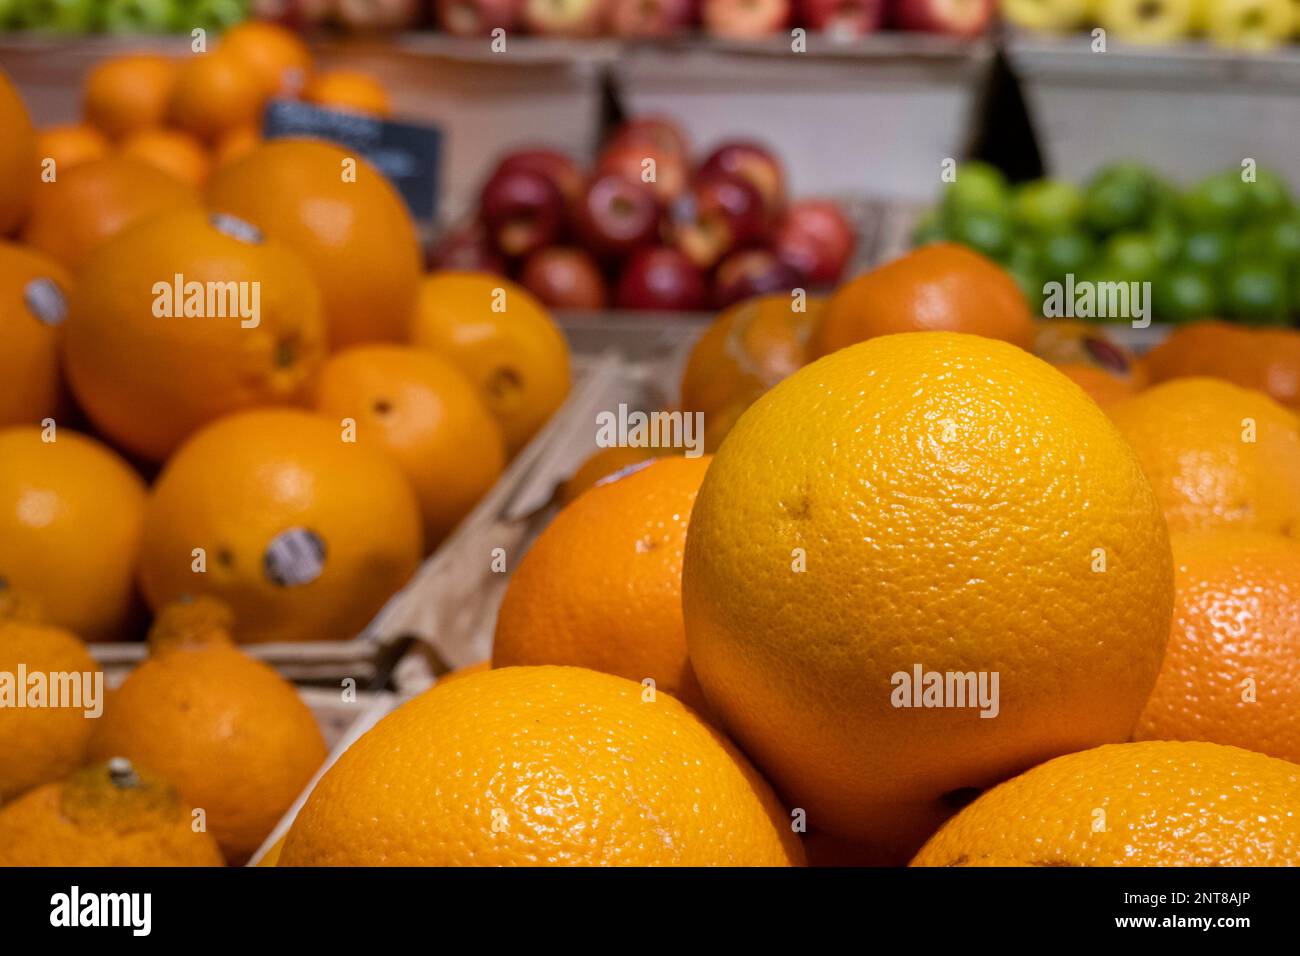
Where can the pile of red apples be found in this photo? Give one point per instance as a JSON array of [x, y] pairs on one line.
[[738, 19], [646, 228]]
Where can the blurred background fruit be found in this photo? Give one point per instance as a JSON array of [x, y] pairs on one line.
[[150, 379], [174, 152], [1219, 456], [863, 481], [1264, 359], [129, 93], [33, 307], [503, 339], [601, 464], [344, 218], [1229, 674], [304, 535], [348, 90], [279, 57], [18, 159], [498, 788], [427, 415], [1163, 804], [71, 513], [70, 144], [601, 587], [227, 730], [106, 814], [214, 93]]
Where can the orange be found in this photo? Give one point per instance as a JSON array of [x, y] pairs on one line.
[[172, 151], [541, 766], [1145, 804], [32, 308], [70, 522], [125, 94], [941, 287], [227, 730], [937, 501], [1083, 353], [41, 744], [345, 219], [745, 351], [215, 93], [71, 144], [1263, 359], [603, 464], [1230, 673], [96, 200], [235, 144], [504, 339], [153, 357], [601, 587], [303, 534], [272, 856], [350, 91], [19, 167], [426, 414], [278, 56], [1218, 456], [109, 814]]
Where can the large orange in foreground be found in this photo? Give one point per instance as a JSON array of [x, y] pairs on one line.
[[95, 201], [942, 287], [1144, 804], [1231, 673], [1219, 456], [152, 358], [541, 766], [601, 587], [303, 534], [931, 501], [345, 219]]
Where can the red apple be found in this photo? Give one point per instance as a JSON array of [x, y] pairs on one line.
[[564, 278], [650, 18], [639, 160], [816, 238], [751, 272], [374, 15], [476, 18], [721, 213], [961, 18], [664, 279], [659, 130], [564, 18], [522, 210], [560, 169], [755, 163], [843, 17], [745, 19], [467, 249], [615, 215]]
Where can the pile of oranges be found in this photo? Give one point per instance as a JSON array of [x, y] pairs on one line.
[[947, 585]]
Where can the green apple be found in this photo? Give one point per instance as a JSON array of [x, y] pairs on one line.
[[1119, 197], [1184, 293], [1276, 241], [215, 16], [1219, 200], [1166, 229], [1067, 251], [1257, 293], [1133, 254], [984, 230], [140, 16], [1047, 205], [978, 187], [1267, 196], [57, 16], [1209, 249]]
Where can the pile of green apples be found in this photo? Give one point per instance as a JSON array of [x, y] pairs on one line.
[[1226, 247], [1236, 24], [120, 16]]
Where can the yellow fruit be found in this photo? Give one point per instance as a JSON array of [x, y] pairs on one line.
[[602, 586], [125, 94], [303, 534], [19, 168], [503, 338], [151, 363], [71, 513], [1218, 456], [33, 306], [231, 734], [40, 744], [345, 219], [110, 814], [426, 414], [541, 766], [937, 501], [1159, 804]]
